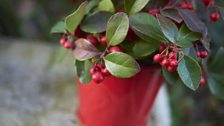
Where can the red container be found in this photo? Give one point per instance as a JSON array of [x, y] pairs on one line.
[[119, 102]]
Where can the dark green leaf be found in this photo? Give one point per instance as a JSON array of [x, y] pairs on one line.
[[73, 20], [193, 21], [59, 27], [142, 48], [172, 14], [84, 50], [92, 24], [117, 28], [215, 86], [219, 3], [134, 6], [171, 78], [146, 27], [169, 28], [82, 68], [106, 5], [217, 63], [121, 65], [190, 72]]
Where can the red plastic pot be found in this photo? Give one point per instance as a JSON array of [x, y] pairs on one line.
[[119, 102]]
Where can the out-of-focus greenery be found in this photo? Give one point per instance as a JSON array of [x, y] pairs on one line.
[[32, 18]]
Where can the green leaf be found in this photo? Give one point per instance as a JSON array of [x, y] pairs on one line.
[[217, 64], [106, 5], [82, 68], [146, 27], [84, 50], [73, 20], [92, 24], [172, 14], [190, 72], [186, 38], [215, 86], [121, 65], [134, 6], [169, 28], [91, 4], [59, 27], [193, 21], [142, 48], [117, 28], [171, 78]]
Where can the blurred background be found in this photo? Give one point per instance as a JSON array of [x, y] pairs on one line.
[[37, 91]]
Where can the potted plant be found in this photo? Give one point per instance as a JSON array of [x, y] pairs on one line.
[[124, 49]]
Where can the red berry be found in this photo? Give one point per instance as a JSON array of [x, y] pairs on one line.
[[186, 5], [154, 12], [198, 53], [207, 2], [157, 58], [173, 63], [172, 55], [214, 16], [105, 72], [68, 45], [97, 77], [103, 41], [62, 41], [171, 69], [92, 40], [203, 54], [113, 49], [100, 66], [164, 62], [202, 82], [162, 47], [94, 69], [79, 33]]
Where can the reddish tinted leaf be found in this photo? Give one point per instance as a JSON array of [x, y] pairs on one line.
[[172, 14], [84, 50], [193, 22]]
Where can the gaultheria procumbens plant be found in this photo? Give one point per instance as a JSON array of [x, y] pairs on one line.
[[116, 38]]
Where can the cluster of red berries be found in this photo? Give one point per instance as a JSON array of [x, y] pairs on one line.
[[98, 73], [66, 42], [94, 41], [200, 50], [168, 60], [186, 5]]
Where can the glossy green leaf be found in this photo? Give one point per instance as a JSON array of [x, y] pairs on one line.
[[84, 50], [92, 24], [193, 21], [134, 6], [82, 69], [73, 20], [169, 28], [142, 48], [172, 14], [59, 27], [117, 28], [186, 38], [190, 72], [121, 65], [106, 5], [146, 27], [171, 78]]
